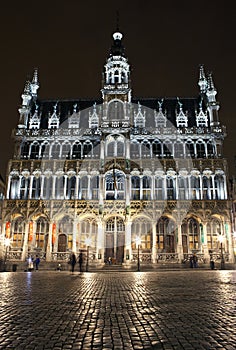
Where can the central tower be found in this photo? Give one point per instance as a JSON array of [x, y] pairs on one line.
[[116, 76]]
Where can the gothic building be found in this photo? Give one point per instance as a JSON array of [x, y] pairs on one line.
[[119, 175]]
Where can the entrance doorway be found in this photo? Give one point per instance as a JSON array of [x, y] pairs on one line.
[[115, 240]]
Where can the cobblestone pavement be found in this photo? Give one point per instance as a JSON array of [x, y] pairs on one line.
[[118, 310]]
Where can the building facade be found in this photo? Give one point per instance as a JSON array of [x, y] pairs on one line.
[[118, 174]]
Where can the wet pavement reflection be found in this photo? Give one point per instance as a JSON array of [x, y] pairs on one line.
[[118, 310]]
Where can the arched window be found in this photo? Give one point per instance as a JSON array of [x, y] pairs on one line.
[[210, 149], [83, 187], [141, 228], [111, 149], [219, 187], [14, 187], [25, 150], [213, 231], [183, 187], [94, 187], [189, 150], [88, 229], [44, 152], [156, 149], [166, 232], [178, 149], [42, 229], [36, 187], [207, 187], [70, 190], [159, 188], [24, 187], [201, 151], [147, 187], [115, 110], [76, 151], [134, 149], [167, 149], [145, 149], [47, 187], [59, 187], [34, 150], [191, 228], [120, 148], [87, 149], [135, 187], [55, 150], [115, 185], [170, 188], [195, 187], [66, 148], [65, 228], [18, 232]]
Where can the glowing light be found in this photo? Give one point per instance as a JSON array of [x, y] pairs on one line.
[[88, 241]]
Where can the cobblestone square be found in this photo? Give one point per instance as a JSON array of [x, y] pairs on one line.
[[118, 310]]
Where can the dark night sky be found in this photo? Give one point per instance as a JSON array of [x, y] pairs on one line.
[[69, 41]]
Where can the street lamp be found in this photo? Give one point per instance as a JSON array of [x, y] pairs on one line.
[[88, 243], [222, 260], [138, 242], [7, 245]]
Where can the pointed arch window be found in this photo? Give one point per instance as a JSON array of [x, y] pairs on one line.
[[65, 228], [24, 187], [201, 150], [159, 188], [87, 149], [59, 187], [166, 233], [170, 188], [195, 187], [210, 149], [189, 151], [89, 229], [76, 151], [111, 149], [213, 231], [135, 149], [42, 229], [66, 148], [147, 187], [145, 149], [34, 150], [191, 228], [55, 150], [36, 187], [141, 228], [178, 149], [47, 187], [44, 152], [95, 187], [157, 149], [70, 188], [135, 187], [83, 187], [183, 187], [18, 232], [167, 149], [25, 150], [219, 187], [115, 185]]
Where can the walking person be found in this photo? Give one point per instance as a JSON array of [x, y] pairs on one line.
[[73, 262], [80, 261], [37, 261]]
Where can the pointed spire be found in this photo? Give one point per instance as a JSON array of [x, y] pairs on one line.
[[35, 83], [202, 82]]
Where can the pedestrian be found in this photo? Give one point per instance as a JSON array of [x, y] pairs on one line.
[[212, 263], [73, 262], [191, 261], [80, 261], [37, 261], [195, 260]]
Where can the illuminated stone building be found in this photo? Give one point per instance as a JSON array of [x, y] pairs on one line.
[[107, 173]]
